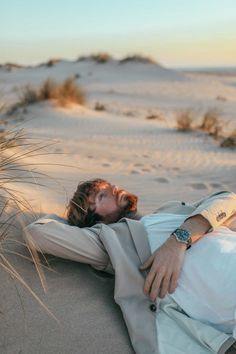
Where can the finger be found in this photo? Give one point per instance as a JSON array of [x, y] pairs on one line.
[[165, 285], [173, 282], [149, 281], [156, 286], [147, 264]]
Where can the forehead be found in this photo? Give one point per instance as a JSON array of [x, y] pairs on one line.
[[100, 185], [96, 189]]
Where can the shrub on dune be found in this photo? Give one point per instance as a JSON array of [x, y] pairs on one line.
[[63, 94], [29, 95], [99, 58], [184, 120], [229, 141], [138, 59], [212, 124], [99, 106], [48, 90], [68, 92]]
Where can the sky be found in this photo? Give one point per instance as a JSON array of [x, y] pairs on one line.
[[176, 33]]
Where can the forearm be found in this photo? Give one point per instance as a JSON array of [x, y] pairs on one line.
[[217, 208], [70, 242], [197, 225]]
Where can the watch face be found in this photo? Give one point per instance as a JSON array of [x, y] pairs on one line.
[[182, 235]]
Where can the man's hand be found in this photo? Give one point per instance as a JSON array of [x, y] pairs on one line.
[[165, 266]]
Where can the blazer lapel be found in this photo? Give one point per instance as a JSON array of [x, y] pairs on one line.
[[140, 238]]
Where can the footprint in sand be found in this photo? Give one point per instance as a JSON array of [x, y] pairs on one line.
[[216, 185], [146, 169], [134, 172], [198, 186], [138, 164], [90, 157], [106, 164], [162, 180], [146, 156]]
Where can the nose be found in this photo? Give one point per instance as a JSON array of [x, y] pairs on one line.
[[114, 190]]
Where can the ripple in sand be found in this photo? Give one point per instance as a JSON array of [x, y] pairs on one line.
[[198, 186]]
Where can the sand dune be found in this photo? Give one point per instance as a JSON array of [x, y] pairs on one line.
[[148, 157]]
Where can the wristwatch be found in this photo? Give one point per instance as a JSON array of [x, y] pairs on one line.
[[183, 236]]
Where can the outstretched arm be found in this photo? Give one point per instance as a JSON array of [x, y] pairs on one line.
[[166, 262], [50, 236]]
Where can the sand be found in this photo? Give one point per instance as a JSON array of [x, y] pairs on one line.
[[146, 156]]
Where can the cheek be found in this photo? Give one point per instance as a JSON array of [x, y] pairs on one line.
[[108, 206]]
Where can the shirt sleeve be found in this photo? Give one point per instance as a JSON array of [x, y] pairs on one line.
[[69, 242], [217, 208]]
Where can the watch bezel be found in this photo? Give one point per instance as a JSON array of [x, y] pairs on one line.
[[178, 234]]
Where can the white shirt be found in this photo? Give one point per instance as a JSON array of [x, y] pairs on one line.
[[206, 288]]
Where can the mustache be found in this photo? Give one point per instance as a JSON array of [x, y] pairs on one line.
[[131, 199]]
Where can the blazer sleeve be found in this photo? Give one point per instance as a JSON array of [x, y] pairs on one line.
[[69, 242], [217, 208]]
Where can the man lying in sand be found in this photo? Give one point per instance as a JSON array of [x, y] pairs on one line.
[[191, 290]]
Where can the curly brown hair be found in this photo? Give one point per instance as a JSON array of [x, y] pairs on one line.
[[78, 212]]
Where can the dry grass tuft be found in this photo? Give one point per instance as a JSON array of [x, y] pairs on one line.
[[184, 120], [212, 124], [138, 59], [157, 116], [14, 148], [230, 141], [52, 62], [99, 107], [29, 95], [48, 90], [11, 66], [64, 94], [68, 92], [99, 58]]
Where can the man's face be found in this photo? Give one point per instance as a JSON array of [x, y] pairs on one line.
[[109, 202]]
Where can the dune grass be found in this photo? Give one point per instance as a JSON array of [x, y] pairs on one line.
[[99, 106], [212, 124], [229, 141], [14, 148], [100, 58], [63, 94], [138, 59], [184, 120]]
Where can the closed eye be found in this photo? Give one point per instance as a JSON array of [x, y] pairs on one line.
[[102, 195]]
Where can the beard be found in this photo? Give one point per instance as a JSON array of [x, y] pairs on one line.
[[128, 210], [130, 199]]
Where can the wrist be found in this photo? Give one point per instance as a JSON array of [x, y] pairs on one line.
[[182, 236], [176, 244]]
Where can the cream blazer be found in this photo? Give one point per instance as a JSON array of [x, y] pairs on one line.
[[121, 248]]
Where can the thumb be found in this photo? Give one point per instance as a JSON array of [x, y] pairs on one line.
[[147, 264]]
